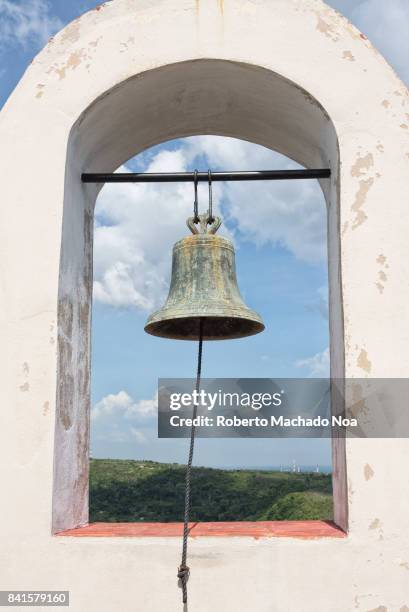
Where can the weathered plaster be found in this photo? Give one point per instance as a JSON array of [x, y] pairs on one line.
[[191, 68], [348, 56], [363, 362], [360, 199], [362, 165]]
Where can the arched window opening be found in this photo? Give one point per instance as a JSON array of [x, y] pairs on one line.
[[280, 235]]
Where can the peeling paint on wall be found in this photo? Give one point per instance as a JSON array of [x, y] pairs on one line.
[[363, 361], [124, 46], [382, 276], [75, 59], [376, 525], [327, 29], [360, 199], [356, 403], [381, 259], [348, 56], [40, 91], [362, 165], [25, 371], [72, 32]]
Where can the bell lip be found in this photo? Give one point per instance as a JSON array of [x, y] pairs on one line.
[[256, 328]]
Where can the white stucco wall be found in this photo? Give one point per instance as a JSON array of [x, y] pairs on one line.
[[289, 74]]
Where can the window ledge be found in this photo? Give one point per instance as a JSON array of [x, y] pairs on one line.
[[260, 529]]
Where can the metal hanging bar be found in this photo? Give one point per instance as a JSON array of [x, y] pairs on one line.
[[185, 177]]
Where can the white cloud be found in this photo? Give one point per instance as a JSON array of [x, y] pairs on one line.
[[111, 404], [122, 406], [25, 22], [115, 416], [137, 225], [318, 366], [143, 408], [286, 213]]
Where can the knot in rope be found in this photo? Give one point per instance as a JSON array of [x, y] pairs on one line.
[[183, 572]]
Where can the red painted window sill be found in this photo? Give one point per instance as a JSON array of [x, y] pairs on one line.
[[260, 529]]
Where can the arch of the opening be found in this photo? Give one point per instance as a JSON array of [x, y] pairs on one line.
[[198, 97]]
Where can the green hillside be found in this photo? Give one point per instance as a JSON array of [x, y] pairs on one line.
[[306, 505], [124, 490]]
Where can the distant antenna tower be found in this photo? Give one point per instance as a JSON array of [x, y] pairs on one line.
[[293, 465], [318, 469]]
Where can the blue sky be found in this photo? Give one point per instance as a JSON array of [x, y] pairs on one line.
[[279, 231]]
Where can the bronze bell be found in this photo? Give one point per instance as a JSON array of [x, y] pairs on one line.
[[204, 288]]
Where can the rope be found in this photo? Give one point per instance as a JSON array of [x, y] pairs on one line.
[[184, 570]]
